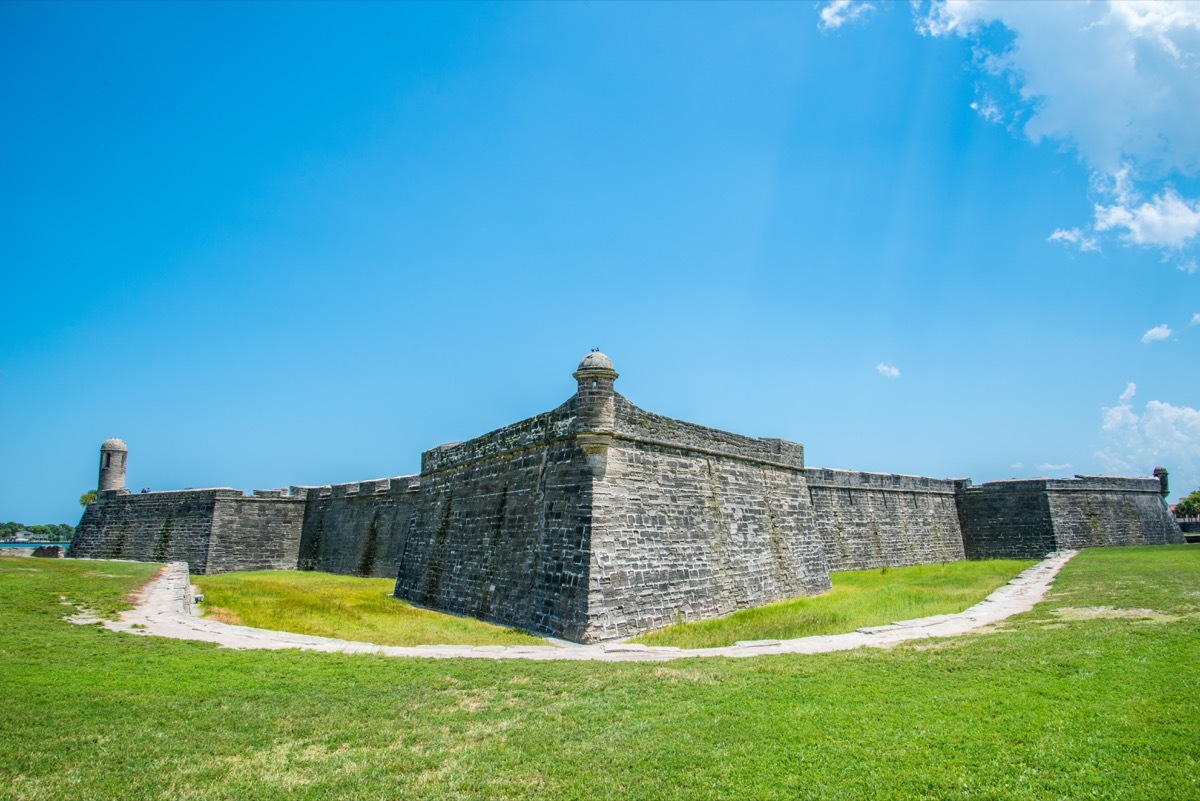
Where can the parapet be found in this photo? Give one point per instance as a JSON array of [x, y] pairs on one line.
[[1077, 484], [895, 482], [635, 424], [789, 453], [539, 430], [373, 486]]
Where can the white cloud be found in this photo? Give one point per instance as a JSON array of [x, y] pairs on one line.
[[837, 13], [1047, 467], [1162, 434], [988, 109], [1156, 333], [1118, 81], [887, 370], [1195, 320], [1170, 221], [1076, 237]]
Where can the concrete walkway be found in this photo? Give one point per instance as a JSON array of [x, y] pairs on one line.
[[166, 610]]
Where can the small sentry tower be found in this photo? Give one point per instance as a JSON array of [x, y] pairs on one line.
[[113, 454], [594, 409]]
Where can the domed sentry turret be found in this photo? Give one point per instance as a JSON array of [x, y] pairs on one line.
[[113, 454], [594, 399], [1161, 474]]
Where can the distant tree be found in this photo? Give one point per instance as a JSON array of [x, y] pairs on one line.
[[1188, 505], [87, 497], [52, 532]]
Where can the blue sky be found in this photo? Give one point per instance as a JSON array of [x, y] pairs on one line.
[[278, 244]]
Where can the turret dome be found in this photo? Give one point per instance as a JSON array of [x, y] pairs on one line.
[[113, 444], [596, 361]]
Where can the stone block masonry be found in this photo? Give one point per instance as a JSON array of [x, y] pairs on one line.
[[599, 520], [213, 530], [680, 535], [503, 535], [359, 529], [1027, 519], [870, 520]]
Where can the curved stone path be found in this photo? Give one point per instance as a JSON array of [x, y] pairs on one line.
[[165, 609]]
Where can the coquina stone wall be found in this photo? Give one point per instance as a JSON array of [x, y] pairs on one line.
[[504, 524], [1026, 519], [869, 520], [1096, 511], [689, 523], [359, 529], [150, 527], [213, 530], [255, 532]]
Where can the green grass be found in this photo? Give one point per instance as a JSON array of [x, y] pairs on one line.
[[362, 609], [858, 598], [1055, 705], [347, 607]]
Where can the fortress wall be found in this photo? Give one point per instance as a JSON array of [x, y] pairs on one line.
[[1093, 511], [1006, 520], [213, 530], [684, 532], [359, 529], [1027, 519], [260, 532], [504, 538], [148, 527], [869, 520]]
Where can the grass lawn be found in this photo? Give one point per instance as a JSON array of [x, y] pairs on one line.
[[1094, 694], [348, 607], [858, 598]]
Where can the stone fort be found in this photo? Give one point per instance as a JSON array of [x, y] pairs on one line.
[[599, 520]]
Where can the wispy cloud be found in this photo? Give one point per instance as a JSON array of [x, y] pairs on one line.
[[1195, 320], [1117, 81], [1156, 333], [887, 370], [837, 13], [987, 108], [1168, 221], [1075, 237], [1047, 467], [1162, 434]]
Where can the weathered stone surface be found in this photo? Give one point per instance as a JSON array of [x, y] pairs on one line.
[[504, 535], [680, 534], [870, 520], [359, 529], [213, 530], [1027, 519]]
